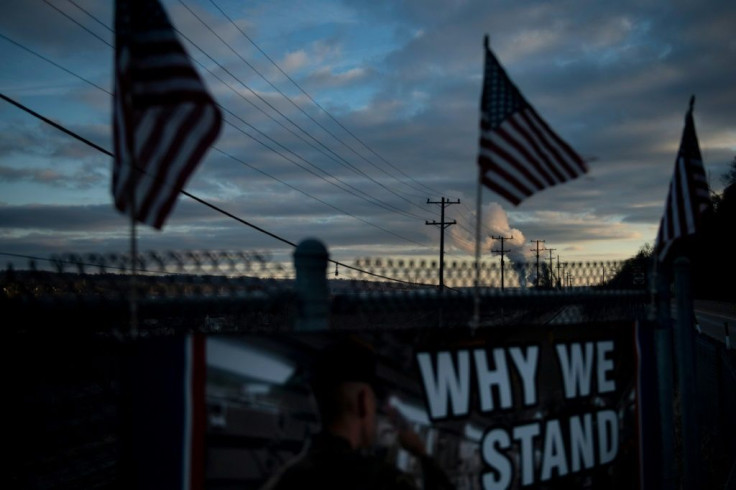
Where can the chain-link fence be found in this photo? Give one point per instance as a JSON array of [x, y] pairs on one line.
[[162, 292], [231, 291], [716, 391], [69, 317]]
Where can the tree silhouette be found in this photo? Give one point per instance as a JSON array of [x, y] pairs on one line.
[[711, 249]]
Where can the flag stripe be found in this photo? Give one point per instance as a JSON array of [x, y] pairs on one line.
[[165, 120], [508, 192], [161, 155], [159, 79], [539, 164], [523, 168], [506, 174], [163, 60], [182, 156], [502, 148], [194, 157], [519, 154], [559, 160], [537, 145], [569, 159], [512, 134], [543, 150]]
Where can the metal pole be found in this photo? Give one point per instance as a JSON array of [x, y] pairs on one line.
[[442, 224], [476, 281], [728, 336], [442, 246], [502, 252], [665, 383], [685, 352], [310, 262], [502, 267]]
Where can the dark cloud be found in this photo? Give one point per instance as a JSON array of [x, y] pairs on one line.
[[30, 151], [50, 25]]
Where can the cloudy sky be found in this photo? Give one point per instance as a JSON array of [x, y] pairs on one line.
[[342, 118]]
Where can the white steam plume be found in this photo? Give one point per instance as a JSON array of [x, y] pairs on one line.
[[496, 223]]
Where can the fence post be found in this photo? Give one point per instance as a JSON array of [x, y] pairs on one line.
[[665, 382], [728, 336], [685, 352], [310, 262]]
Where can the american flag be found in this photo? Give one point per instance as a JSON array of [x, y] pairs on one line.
[[688, 196], [519, 153], [163, 118]]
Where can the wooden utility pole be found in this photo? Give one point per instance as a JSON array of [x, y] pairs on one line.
[[559, 277], [442, 224], [502, 252], [551, 274], [536, 281]]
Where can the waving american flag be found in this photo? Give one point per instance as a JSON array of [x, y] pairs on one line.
[[688, 196], [519, 153], [164, 119]]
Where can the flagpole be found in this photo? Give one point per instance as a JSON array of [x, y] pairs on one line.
[[478, 221], [478, 204], [133, 255]]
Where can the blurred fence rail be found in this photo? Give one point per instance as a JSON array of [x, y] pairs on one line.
[[222, 291]]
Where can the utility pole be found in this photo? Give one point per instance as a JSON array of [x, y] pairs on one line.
[[442, 224], [559, 277], [502, 252], [611, 269], [551, 274], [563, 277], [536, 281]]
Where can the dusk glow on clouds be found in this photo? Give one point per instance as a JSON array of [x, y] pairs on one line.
[[342, 118]]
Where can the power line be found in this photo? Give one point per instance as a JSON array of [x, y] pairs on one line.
[[369, 199], [280, 92], [273, 119], [77, 22], [258, 72], [350, 165], [109, 153], [188, 194], [318, 199], [91, 16], [363, 195], [193, 197], [366, 197], [322, 108], [55, 124], [380, 203], [34, 53]]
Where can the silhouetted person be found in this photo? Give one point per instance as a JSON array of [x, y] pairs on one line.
[[345, 385]]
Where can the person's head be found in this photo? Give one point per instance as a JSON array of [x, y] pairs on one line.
[[343, 383]]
